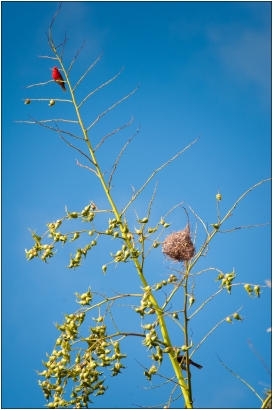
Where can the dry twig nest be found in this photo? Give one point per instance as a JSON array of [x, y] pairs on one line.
[[178, 246]]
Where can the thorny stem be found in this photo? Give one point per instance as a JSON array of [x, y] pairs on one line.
[[123, 229]]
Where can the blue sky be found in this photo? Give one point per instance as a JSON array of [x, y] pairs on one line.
[[204, 69]]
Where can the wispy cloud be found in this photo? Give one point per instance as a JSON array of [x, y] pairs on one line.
[[246, 54]]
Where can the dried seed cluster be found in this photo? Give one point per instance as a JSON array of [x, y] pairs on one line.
[[178, 246]]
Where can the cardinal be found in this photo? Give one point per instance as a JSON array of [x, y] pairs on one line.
[[182, 359], [57, 76]]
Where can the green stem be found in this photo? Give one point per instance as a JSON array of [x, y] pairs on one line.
[[186, 333], [162, 324]]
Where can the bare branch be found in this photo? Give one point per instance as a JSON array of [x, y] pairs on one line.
[[206, 301], [51, 58], [238, 377], [101, 86], [36, 85], [157, 170], [242, 227], [48, 99], [210, 332], [85, 166], [113, 132], [74, 59], [55, 15], [118, 158], [51, 128], [77, 149], [53, 120], [113, 106], [152, 200], [259, 357], [201, 220], [92, 65], [63, 44], [242, 196]]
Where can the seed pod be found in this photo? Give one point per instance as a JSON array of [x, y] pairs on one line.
[[164, 282], [104, 268], [219, 277], [156, 244], [237, 316], [91, 233], [152, 230], [143, 221], [175, 316], [166, 225], [191, 301], [76, 236], [228, 319], [51, 103], [215, 226], [257, 290], [218, 197], [27, 101], [94, 243], [73, 215], [228, 288], [178, 246], [249, 289]]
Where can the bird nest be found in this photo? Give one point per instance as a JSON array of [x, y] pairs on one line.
[[178, 246]]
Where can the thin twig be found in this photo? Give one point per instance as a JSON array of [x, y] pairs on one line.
[[51, 58], [210, 332], [101, 86], [74, 59], [153, 174], [206, 301], [36, 85], [198, 217], [118, 158], [259, 357], [51, 128], [151, 201], [242, 227], [48, 99], [110, 108], [238, 377], [64, 42], [55, 15], [112, 133], [76, 148], [242, 196], [85, 166], [92, 65]]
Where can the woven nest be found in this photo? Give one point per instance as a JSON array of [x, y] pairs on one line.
[[178, 246]]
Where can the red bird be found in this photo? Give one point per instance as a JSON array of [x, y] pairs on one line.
[[57, 76]]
